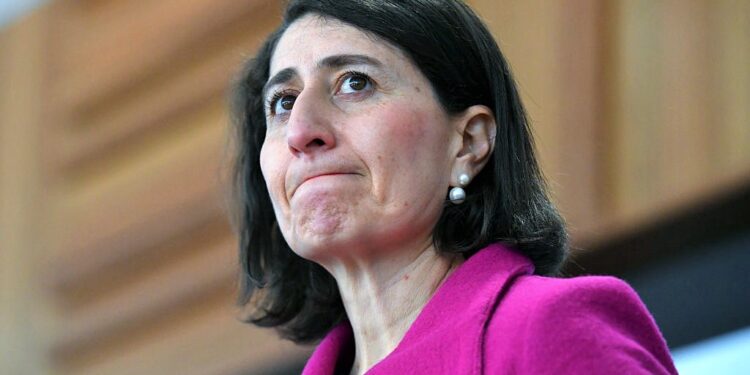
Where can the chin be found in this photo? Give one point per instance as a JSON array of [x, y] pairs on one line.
[[319, 226], [345, 240], [320, 248]]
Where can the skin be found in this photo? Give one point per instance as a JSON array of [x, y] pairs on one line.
[[358, 170]]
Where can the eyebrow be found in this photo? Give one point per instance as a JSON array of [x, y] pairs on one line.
[[338, 61], [330, 62]]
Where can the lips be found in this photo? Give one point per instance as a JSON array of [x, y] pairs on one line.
[[304, 174]]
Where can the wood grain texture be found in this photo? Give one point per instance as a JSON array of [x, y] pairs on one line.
[[24, 332], [670, 116], [168, 189], [143, 267], [125, 43], [580, 171], [731, 22], [556, 51], [637, 86], [528, 34], [196, 71]]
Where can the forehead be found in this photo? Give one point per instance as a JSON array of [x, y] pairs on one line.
[[313, 37]]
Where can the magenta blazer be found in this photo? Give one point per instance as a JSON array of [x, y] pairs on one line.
[[493, 316]]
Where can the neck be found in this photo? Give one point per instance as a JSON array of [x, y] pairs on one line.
[[382, 299]]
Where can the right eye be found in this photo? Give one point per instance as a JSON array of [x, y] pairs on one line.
[[281, 103]]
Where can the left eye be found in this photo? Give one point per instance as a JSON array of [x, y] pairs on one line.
[[355, 83]]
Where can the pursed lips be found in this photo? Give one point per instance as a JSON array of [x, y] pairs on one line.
[[301, 179]]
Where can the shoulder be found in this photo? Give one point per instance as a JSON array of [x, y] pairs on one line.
[[558, 296], [594, 324]]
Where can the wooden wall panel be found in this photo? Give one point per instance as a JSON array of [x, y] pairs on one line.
[[144, 266], [730, 21], [555, 51], [637, 76], [676, 92], [637, 106], [152, 189], [24, 305], [581, 170], [172, 74], [161, 34], [527, 32], [208, 344]]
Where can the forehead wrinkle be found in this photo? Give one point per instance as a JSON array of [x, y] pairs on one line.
[[342, 58]]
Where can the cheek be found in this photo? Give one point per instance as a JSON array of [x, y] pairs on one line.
[[272, 168], [405, 132], [413, 160], [418, 138], [266, 165]]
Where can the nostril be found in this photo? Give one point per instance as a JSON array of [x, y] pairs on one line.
[[304, 138]]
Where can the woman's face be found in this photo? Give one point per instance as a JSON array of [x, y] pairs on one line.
[[358, 153]]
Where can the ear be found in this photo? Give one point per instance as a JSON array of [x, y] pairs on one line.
[[477, 128]]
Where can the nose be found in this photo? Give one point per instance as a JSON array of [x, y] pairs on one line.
[[308, 128]]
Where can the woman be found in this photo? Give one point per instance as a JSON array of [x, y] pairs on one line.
[[391, 204]]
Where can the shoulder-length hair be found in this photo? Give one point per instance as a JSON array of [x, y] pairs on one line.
[[506, 202]]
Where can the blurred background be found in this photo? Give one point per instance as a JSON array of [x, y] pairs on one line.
[[116, 256]]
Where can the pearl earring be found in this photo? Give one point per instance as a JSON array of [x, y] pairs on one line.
[[457, 195]]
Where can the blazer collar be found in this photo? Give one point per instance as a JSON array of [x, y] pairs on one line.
[[455, 317]]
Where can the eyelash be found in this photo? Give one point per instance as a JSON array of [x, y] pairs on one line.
[[271, 102], [352, 73]]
